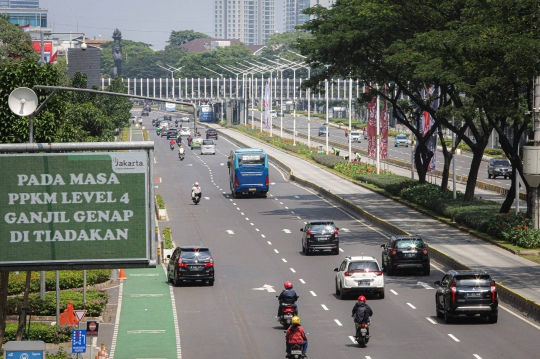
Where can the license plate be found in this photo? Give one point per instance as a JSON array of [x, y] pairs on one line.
[[363, 330], [410, 255], [473, 295], [196, 267], [252, 189], [296, 352], [320, 239], [363, 282]]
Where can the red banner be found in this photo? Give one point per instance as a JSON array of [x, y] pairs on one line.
[[47, 50], [384, 132], [372, 127]]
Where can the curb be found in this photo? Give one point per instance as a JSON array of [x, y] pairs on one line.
[[527, 307]]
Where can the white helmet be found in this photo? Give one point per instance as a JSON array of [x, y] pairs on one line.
[[196, 184]]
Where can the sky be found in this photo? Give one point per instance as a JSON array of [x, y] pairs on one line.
[[150, 22]]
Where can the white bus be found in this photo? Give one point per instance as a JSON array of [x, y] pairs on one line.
[[170, 107]]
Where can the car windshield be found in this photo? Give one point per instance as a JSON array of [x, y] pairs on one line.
[[501, 163], [473, 280], [409, 244], [323, 227], [363, 266]]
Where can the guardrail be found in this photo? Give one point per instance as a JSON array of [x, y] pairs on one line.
[[526, 306]]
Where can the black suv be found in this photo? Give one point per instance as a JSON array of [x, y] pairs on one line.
[[167, 117], [190, 263], [211, 133], [405, 252], [466, 292], [171, 133], [319, 236], [499, 167], [144, 113]]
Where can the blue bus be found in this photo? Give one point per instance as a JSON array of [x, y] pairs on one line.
[[170, 107], [206, 113], [248, 172]]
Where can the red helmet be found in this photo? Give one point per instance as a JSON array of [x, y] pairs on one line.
[[362, 299], [287, 285]]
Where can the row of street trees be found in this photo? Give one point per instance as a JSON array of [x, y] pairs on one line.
[[480, 57], [67, 117]]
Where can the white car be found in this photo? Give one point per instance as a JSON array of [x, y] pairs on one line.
[[208, 147], [185, 131], [359, 275], [185, 119], [355, 136]]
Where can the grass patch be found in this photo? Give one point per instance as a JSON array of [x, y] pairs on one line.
[[160, 202], [167, 238]]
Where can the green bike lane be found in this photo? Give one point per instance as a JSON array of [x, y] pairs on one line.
[[146, 326]]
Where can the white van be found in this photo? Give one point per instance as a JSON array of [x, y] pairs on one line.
[[273, 113], [208, 147], [355, 136]]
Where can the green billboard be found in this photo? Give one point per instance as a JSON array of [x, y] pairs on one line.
[[86, 210]]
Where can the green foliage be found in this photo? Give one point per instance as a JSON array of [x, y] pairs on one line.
[[96, 300], [138, 60], [15, 44], [515, 229], [54, 334], [60, 354], [167, 238], [160, 202], [177, 38], [390, 183], [327, 160], [68, 279], [353, 169]]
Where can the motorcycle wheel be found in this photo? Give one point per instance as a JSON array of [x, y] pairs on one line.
[[361, 341]]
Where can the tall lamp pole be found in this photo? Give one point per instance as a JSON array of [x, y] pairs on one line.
[[217, 73], [172, 70]]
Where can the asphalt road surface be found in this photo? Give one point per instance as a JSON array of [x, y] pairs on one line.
[[255, 243]]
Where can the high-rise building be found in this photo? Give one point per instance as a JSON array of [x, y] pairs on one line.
[[325, 3], [20, 4], [24, 12], [293, 13], [250, 21]]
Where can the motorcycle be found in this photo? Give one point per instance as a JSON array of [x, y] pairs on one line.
[[196, 198], [362, 334], [287, 312], [296, 351], [171, 146], [181, 156]]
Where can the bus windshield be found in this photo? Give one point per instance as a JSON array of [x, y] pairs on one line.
[[251, 159]]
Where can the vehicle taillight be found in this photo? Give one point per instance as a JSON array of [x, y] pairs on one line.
[[336, 232], [236, 182], [425, 252], [211, 264], [182, 265], [309, 232], [393, 252], [363, 325], [347, 274], [453, 289], [379, 273], [493, 291], [267, 179]]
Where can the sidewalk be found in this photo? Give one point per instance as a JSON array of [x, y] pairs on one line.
[[516, 273]]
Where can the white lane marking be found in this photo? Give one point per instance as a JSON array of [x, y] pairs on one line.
[[275, 198], [286, 230], [338, 322], [242, 213], [269, 243], [431, 320], [145, 295], [286, 207], [302, 281], [280, 202], [313, 293], [229, 231], [257, 229], [518, 316], [247, 219], [252, 224], [453, 337], [368, 357], [262, 235], [324, 307], [144, 275], [271, 195], [275, 250], [410, 305], [230, 199], [298, 217], [477, 356], [159, 331], [352, 339], [425, 285], [345, 230], [227, 195], [393, 291], [117, 320], [292, 270], [206, 197], [222, 164], [237, 208], [292, 212], [272, 183], [296, 196], [234, 203], [341, 250], [284, 260]]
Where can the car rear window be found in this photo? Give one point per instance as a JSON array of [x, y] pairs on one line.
[[322, 227], [322, 128], [409, 243], [363, 266], [355, 133], [473, 280], [207, 142], [192, 253], [401, 137]]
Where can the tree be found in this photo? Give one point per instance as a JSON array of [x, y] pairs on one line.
[[178, 38], [15, 44], [480, 55], [139, 60]]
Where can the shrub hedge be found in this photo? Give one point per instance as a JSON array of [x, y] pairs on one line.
[[95, 302], [68, 279], [167, 238], [160, 202], [327, 160], [54, 334]]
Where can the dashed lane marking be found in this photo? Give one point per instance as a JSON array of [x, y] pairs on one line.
[[393, 291], [338, 322], [275, 250], [284, 260], [262, 235], [453, 337], [477, 356], [257, 229], [431, 320], [292, 270], [302, 281], [352, 339], [410, 305], [324, 307], [313, 293], [345, 230], [269, 243]]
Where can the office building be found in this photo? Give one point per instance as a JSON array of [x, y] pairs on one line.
[[24, 12], [293, 13], [20, 4], [324, 3], [250, 21]]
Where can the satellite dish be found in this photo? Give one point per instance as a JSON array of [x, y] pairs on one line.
[[22, 101]]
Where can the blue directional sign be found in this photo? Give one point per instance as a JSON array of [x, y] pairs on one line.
[[24, 355], [78, 341]]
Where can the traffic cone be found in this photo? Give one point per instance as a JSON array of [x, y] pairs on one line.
[[122, 275]]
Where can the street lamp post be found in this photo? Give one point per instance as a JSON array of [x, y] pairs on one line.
[[217, 73], [172, 70]]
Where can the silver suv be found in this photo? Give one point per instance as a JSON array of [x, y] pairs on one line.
[[359, 275]]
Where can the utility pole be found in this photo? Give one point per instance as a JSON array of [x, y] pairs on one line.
[[531, 155]]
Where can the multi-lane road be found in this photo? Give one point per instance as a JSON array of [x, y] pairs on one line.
[[255, 243]]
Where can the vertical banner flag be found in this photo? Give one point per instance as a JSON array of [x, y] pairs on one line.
[[383, 152], [427, 122], [372, 126], [267, 105]]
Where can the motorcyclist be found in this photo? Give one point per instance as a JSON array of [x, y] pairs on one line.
[[287, 296], [158, 129], [296, 335], [181, 150], [172, 143], [189, 140], [196, 190], [361, 312]]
